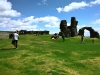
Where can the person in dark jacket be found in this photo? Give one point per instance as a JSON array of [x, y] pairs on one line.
[[63, 36], [82, 39]]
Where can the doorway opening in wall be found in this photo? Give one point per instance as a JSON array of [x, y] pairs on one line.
[[87, 33]]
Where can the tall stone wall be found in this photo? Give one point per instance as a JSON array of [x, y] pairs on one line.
[[5, 34]]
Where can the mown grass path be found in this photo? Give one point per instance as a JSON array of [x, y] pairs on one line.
[[39, 55]]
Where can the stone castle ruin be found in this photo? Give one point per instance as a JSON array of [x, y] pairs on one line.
[[23, 32], [33, 32], [93, 33], [71, 31], [9, 34]]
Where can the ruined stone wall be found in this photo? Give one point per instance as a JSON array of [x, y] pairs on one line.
[[33, 32], [93, 33], [69, 30]]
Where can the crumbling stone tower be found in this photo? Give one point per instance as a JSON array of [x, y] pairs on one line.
[[73, 26], [63, 26], [69, 30]]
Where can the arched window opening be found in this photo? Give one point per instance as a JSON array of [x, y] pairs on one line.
[[86, 33]]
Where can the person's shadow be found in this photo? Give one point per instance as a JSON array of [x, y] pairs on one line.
[[6, 48]]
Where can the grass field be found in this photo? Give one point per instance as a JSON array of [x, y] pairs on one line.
[[39, 55]]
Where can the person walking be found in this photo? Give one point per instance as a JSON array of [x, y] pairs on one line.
[[63, 36], [82, 39], [15, 39]]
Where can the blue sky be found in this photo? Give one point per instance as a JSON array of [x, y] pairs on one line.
[[47, 14]]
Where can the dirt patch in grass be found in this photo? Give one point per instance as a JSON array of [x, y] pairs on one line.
[[42, 42], [75, 53], [92, 61], [23, 44]]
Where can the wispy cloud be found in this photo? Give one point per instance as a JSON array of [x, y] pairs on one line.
[[39, 3], [97, 14], [96, 22], [42, 2], [97, 29], [77, 5], [73, 6], [95, 2]]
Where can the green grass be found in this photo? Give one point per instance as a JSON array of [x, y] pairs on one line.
[[39, 55]]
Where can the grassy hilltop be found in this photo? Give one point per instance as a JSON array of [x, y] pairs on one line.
[[39, 55]]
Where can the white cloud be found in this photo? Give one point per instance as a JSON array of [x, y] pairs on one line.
[[39, 3], [6, 9], [52, 25], [73, 6], [41, 19], [97, 14], [59, 9], [28, 19], [78, 27], [95, 2], [68, 24], [30, 27], [77, 5], [46, 19], [84, 26], [81, 26], [10, 24], [28, 23], [98, 30], [4, 19], [4, 5], [96, 21], [44, 1]]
